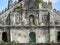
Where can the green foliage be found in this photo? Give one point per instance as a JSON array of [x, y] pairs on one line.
[[2, 41], [47, 24], [31, 6], [32, 24], [45, 5], [32, 41], [38, 1], [13, 42], [58, 40], [18, 7]]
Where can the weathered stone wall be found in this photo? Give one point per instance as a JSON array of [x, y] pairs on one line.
[[1, 34], [53, 35], [22, 35]]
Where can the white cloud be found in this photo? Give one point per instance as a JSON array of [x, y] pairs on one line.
[[53, 1]]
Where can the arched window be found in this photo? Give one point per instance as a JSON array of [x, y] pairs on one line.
[[32, 36], [31, 19], [4, 36]]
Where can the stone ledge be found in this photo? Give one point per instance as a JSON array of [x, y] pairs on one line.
[[33, 44]]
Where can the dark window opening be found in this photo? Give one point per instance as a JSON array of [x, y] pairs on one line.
[[32, 36], [4, 36], [58, 37], [19, 0]]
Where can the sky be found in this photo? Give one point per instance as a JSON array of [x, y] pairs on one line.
[[4, 4], [55, 4]]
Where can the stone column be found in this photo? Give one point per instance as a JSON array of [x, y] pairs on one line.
[[47, 36], [0, 35], [8, 29], [40, 5], [8, 34], [40, 16], [23, 13], [40, 13]]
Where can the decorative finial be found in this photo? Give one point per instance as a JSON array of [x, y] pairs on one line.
[[15, 2], [10, 4]]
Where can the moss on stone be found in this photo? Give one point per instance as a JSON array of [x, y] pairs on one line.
[[18, 7], [38, 1]]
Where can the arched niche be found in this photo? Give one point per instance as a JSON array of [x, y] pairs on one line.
[[31, 19]]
